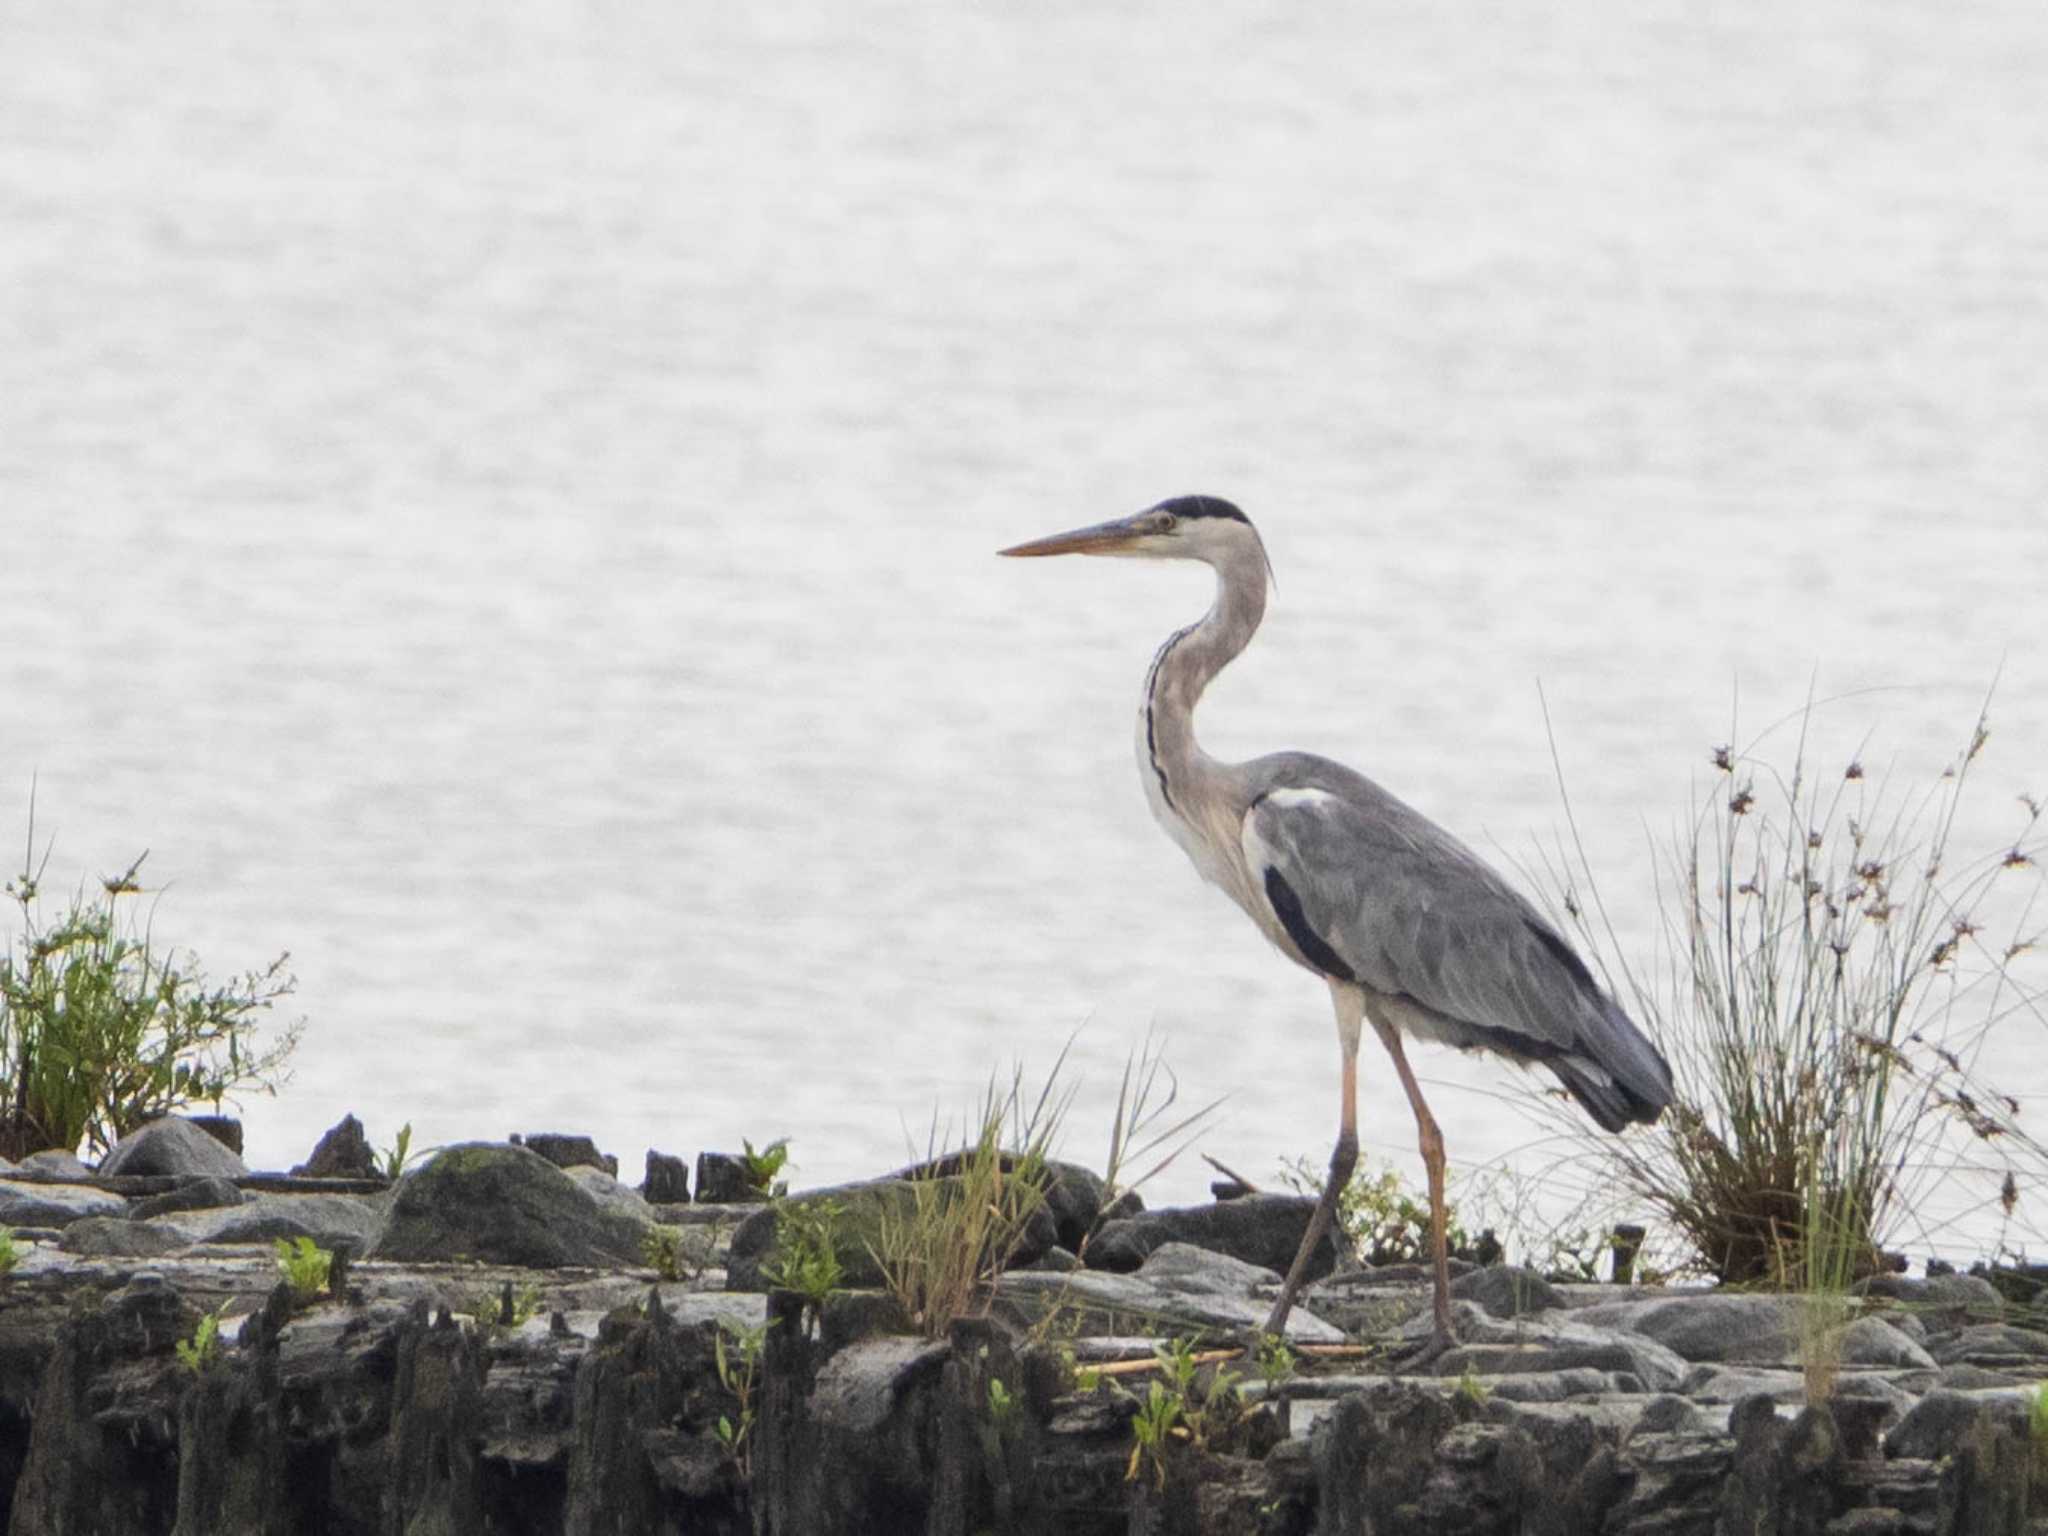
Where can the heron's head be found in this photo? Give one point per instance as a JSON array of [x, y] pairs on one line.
[[1206, 528]]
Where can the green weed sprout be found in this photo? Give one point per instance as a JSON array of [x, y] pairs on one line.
[[737, 1350], [807, 1256], [760, 1168], [200, 1351], [304, 1265]]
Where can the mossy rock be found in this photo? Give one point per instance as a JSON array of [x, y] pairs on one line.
[[500, 1204]]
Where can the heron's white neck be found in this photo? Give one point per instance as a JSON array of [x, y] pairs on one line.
[[1168, 753]]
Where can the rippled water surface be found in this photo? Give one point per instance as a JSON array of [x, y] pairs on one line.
[[500, 501]]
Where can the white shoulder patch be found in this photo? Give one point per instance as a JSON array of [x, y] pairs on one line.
[[1289, 799]]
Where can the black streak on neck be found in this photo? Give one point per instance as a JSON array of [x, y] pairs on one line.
[[1151, 699]]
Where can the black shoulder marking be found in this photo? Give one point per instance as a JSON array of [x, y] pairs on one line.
[[1564, 955], [1288, 906], [1202, 506]]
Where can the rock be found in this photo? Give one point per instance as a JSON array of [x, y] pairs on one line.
[[435, 1478], [1995, 1346], [502, 1205], [860, 1212], [192, 1195], [116, 1237], [172, 1145], [1941, 1302], [1507, 1290], [231, 1437], [667, 1181], [1725, 1385], [568, 1151], [1191, 1271], [1942, 1420], [1369, 1302], [1873, 1341], [1495, 1346], [609, 1192], [1098, 1301], [1668, 1414], [225, 1129], [1708, 1325], [326, 1219], [1260, 1229], [103, 1455], [343, 1153], [55, 1163], [722, 1180], [54, 1205]]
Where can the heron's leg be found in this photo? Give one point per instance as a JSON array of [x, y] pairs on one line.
[[1433, 1166], [1343, 1157]]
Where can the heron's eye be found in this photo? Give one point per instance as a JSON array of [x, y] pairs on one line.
[[1164, 522]]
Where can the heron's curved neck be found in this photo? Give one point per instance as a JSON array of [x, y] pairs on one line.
[[1185, 666]]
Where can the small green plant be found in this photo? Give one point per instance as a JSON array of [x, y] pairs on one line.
[[806, 1250], [662, 1247], [2037, 1438], [1155, 1426], [760, 1168], [1179, 1407], [304, 1265], [10, 1255], [1382, 1218], [102, 1028], [1274, 1361], [1002, 1406], [200, 1351], [507, 1308], [1471, 1388], [966, 1213], [737, 1349], [397, 1155]]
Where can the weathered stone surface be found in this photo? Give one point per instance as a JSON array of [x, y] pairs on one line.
[[172, 1145], [667, 1181], [232, 1456], [54, 1205], [722, 1180], [54, 1162], [610, 1193], [326, 1219], [1095, 1301], [859, 1214], [1260, 1229], [344, 1152], [1708, 1325], [504, 1205], [1550, 1342], [1193, 1271], [1507, 1290], [1994, 1346], [567, 1152], [1941, 1302], [1941, 1419], [198, 1194], [435, 1478], [119, 1237], [103, 1456], [1873, 1341]]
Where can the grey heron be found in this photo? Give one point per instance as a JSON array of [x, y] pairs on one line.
[[1413, 932]]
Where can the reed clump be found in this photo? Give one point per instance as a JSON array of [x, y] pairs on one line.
[[1832, 965]]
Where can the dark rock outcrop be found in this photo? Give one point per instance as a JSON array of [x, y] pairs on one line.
[[1260, 1229], [344, 1152], [172, 1145], [502, 1205], [667, 1181]]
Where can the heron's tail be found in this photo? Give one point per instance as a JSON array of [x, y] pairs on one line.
[[1623, 1079]]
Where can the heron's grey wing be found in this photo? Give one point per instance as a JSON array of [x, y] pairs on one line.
[[1373, 891]]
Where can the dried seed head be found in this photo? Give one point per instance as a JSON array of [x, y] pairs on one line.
[[1724, 759], [2009, 1192], [1853, 771]]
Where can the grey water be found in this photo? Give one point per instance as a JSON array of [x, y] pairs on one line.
[[500, 500]]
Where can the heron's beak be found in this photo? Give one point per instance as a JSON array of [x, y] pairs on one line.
[[1101, 539]]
